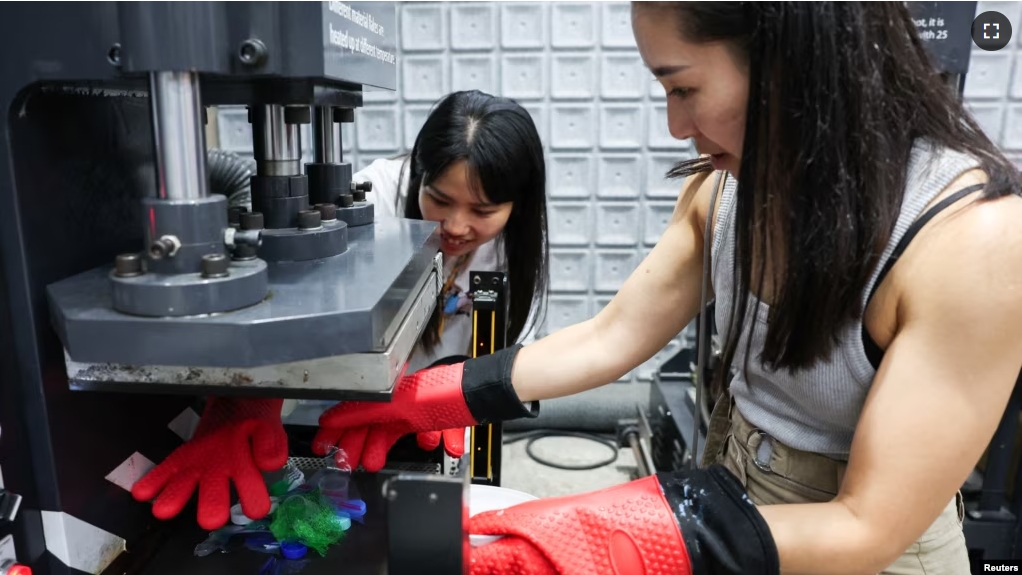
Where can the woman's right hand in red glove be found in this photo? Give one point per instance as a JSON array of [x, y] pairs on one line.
[[474, 392], [452, 439], [236, 440]]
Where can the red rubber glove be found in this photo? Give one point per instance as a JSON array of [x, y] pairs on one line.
[[235, 439], [444, 397], [453, 439], [698, 522], [429, 400], [628, 528]]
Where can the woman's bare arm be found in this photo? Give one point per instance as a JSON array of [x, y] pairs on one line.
[[934, 404], [656, 302]]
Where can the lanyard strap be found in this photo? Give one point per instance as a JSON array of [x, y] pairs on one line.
[[459, 266]]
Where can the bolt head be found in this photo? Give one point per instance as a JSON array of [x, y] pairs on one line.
[[327, 212], [128, 265], [251, 220], [309, 220], [159, 249], [252, 52], [114, 55], [215, 265]]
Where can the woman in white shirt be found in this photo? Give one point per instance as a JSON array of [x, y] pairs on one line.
[[477, 169]]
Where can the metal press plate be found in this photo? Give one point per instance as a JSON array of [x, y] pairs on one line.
[[353, 303], [350, 376]]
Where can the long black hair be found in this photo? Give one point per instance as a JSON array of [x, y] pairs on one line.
[[499, 141], [839, 92]]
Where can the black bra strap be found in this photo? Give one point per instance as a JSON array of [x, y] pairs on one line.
[[873, 351]]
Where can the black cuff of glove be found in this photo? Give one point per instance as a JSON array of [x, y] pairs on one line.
[[724, 533], [486, 383]]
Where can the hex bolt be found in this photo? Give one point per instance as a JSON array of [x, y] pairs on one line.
[[346, 200], [165, 247], [359, 189], [234, 216], [128, 265], [309, 220], [252, 52], [215, 266], [327, 212], [252, 221], [229, 236]]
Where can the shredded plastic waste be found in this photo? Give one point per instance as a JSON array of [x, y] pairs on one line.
[[306, 514], [309, 519]]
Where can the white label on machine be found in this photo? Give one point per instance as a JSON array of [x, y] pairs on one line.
[[130, 471], [7, 550], [184, 424]]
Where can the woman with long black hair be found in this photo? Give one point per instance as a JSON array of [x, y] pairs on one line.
[[477, 169]]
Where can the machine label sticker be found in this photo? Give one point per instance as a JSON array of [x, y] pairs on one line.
[[7, 550], [130, 471], [946, 30], [184, 424], [360, 42]]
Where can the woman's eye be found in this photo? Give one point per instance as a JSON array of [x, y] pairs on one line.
[[680, 92], [438, 201], [484, 213]]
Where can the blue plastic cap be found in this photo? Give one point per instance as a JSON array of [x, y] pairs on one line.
[[354, 507], [292, 550]]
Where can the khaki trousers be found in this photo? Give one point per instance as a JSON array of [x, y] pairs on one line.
[[774, 473]]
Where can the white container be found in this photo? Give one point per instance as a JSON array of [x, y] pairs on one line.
[[488, 498]]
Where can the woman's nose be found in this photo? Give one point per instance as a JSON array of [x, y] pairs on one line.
[[457, 223], [679, 122]]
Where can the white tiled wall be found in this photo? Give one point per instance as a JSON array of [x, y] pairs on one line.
[[601, 116]]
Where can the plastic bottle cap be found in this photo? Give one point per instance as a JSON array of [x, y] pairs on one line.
[[354, 507], [344, 520], [293, 550], [238, 516]]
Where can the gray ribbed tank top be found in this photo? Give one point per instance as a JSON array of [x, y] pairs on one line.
[[816, 409]]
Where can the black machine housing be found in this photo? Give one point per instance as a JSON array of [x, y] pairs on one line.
[[78, 160]]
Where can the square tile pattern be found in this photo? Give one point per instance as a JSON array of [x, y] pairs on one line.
[[602, 118]]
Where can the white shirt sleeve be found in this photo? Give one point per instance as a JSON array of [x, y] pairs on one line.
[[390, 180]]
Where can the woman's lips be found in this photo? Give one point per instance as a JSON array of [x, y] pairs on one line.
[[453, 243]]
